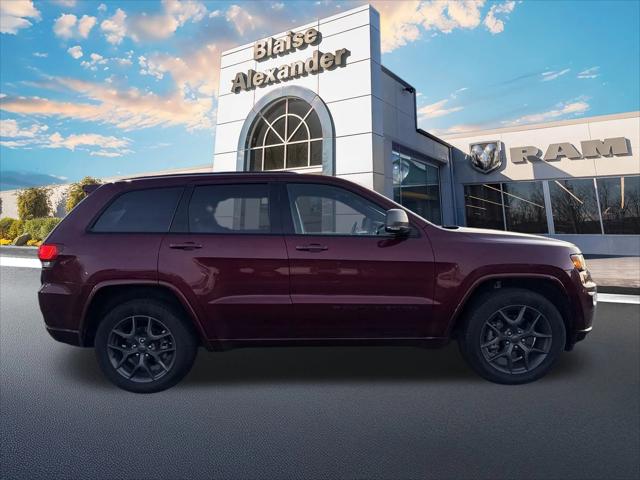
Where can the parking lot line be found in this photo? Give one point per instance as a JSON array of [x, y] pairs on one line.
[[20, 262], [614, 298]]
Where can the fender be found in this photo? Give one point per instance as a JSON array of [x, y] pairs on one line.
[[498, 276], [195, 319]]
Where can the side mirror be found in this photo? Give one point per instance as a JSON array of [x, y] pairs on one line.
[[397, 222]]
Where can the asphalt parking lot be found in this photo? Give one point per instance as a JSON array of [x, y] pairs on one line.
[[316, 412]]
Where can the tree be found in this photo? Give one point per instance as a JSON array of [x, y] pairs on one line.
[[76, 193], [33, 203]]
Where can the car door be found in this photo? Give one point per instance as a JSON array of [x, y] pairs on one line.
[[227, 255], [349, 277]]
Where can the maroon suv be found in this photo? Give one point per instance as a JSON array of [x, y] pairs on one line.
[[148, 269]]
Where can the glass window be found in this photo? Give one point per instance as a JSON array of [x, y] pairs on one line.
[[620, 204], [574, 206], [483, 206], [524, 207], [283, 137], [149, 210], [230, 209], [416, 185], [327, 210]]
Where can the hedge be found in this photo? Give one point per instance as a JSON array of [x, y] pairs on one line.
[[38, 228]]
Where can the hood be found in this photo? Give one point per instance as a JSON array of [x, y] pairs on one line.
[[499, 236]]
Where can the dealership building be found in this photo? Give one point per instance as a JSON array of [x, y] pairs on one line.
[[316, 99]]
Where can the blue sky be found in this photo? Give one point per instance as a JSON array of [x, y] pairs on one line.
[[122, 87]]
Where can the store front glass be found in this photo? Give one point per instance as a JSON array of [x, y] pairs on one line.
[[416, 185]]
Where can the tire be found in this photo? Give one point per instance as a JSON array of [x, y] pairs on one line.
[[504, 351], [145, 346]]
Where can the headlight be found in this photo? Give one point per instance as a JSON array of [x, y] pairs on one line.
[[578, 262]]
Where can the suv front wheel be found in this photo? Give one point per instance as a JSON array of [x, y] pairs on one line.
[[144, 346], [512, 336]]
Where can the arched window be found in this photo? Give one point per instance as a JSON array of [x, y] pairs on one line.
[[286, 134]]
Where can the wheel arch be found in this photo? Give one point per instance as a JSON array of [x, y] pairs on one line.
[[106, 294], [546, 285]]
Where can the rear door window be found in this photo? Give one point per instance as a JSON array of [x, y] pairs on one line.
[[140, 211], [237, 209]]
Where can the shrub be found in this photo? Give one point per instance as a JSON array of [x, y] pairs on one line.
[[39, 228], [34, 243], [33, 203], [5, 241], [5, 225], [15, 230], [76, 194]]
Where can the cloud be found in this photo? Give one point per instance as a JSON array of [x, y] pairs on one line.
[[65, 3], [403, 22], [494, 24], [85, 25], [72, 142], [14, 15], [437, 109], [193, 73], [241, 19], [552, 75], [163, 25], [277, 5], [11, 129], [75, 52], [35, 136], [40, 54], [114, 27], [561, 109], [63, 26], [592, 72], [127, 108], [102, 7]]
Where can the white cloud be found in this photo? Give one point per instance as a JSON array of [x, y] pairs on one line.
[[110, 154], [561, 109], [65, 3], [127, 108], [14, 15], [85, 25], [552, 75], [95, 60], [241, 19], [63, 26], [277, 5], [593, 72], [72, 142], [437, 109], [114, 27], [493, 22], [40, 54], [164, 24], [102, 7], [11, 129], [75, 52]]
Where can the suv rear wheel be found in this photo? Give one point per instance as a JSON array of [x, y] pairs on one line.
[[512, 336], [144, 346]]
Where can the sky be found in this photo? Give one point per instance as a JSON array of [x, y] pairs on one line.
[[110, 88]]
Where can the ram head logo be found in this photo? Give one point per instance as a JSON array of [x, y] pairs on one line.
[[485, 157]]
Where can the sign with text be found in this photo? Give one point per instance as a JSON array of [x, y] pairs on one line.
[[272, 48]]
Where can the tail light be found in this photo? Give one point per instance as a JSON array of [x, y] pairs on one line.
[[47, 252]]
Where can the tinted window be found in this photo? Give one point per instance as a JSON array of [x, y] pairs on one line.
[[483, 206], [524, 207], [327, 210], [148, 210], [230, 209], [574, 206], [620, 204], [416, 185]]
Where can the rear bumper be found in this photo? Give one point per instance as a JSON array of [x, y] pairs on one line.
[[72, 337]]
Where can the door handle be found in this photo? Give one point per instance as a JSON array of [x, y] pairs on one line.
[[185, 246], [314, 247]]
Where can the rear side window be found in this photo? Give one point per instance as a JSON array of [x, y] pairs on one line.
[[143, 211], [230, 209]]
